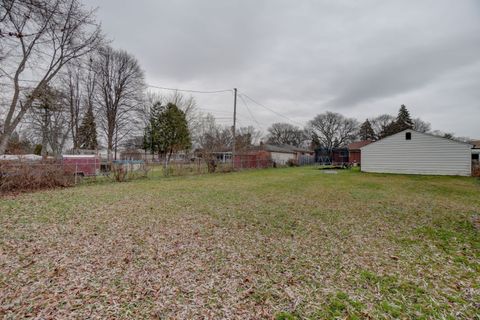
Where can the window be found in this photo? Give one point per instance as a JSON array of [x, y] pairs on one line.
[[475, 156], [408, 136]]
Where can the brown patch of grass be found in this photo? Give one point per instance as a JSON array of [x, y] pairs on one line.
[[292, 243]]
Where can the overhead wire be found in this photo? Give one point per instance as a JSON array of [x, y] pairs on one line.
[[249, 111], [189, 90], [270, 109]]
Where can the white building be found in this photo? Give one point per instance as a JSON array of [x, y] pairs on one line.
[[282, 153], [413, 152]]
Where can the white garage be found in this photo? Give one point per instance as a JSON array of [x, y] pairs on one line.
[[412, 152]]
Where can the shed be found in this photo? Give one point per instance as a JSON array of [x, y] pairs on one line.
[[412, 152]]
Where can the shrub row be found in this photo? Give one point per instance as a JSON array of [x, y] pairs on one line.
[[25, 176]]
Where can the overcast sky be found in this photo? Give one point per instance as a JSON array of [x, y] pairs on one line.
[[301, 58]]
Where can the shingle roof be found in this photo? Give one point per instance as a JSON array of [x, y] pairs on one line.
[[357, 145], [476, 144], [285, 148]]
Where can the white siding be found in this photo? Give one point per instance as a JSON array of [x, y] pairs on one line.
[[423, 154], [281, 157]]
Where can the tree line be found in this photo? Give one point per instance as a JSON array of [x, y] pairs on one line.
[[62, 84], [331, 130]]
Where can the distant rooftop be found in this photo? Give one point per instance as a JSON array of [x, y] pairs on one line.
[[358, 144], [285, 148], [476, 144]]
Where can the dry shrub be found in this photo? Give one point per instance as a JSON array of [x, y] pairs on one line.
[[119, 173], [175, 169], [26, 176], [292, 163], [122, 172], [225, 168]]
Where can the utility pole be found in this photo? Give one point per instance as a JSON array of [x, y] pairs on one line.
[[234, 129]]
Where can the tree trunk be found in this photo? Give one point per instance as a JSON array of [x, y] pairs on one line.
[[165, 166], [4, 142], [43, 153]]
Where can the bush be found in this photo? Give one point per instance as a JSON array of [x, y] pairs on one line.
[[292, 163], [16, 176], [125, 171]]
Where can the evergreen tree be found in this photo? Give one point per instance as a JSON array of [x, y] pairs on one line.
[[389, 129], [173, 134], [151, 132], [167, 131], [366, 131], [404, 121], [87, 133]]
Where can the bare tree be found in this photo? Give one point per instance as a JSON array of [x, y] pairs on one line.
[[380, 124], [78, 85], [246, 137], [421, 126], [119, 94], [285, 133], [49, 119], [333, 130], [40, 38], [72, 83], [213, 137]]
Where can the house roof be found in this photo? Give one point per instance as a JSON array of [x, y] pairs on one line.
[[283, 148], [17, 157], [358, 144], [423, 133], [75, 156], [476, 144]]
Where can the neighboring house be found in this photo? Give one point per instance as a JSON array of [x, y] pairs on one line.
[[252, 159], [20, 157], [354, 152], [279, 154], [223, 156], [272, 154], [134, 154], [412, 152], [282, 153], [220, 156], [263, 155]]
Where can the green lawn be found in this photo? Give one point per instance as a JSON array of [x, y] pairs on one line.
[[277, 243]]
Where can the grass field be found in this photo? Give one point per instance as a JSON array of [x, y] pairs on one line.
[[277, 243]]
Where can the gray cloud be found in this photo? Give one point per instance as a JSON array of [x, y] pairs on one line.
[[306, 57]]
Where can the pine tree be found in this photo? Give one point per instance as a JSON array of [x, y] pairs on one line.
[[389, 129], [173, 133], [151, 132], [366, 131], [167, 131], [87, 133], [404, 121]]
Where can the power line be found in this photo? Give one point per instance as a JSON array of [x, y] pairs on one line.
[[248, 109], [188, 90], [271, 110]]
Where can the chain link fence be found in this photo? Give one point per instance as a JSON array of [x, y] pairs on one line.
[[16, 176]]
